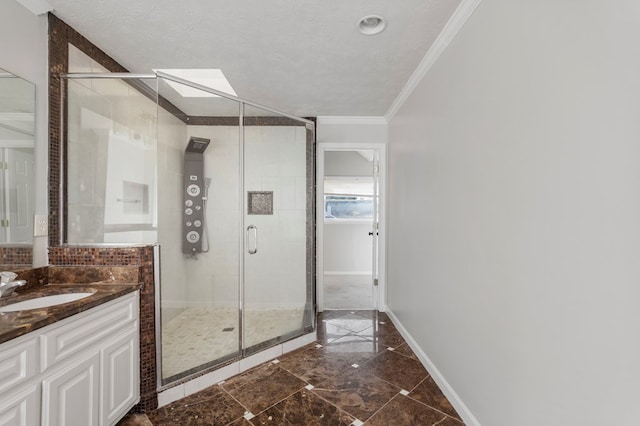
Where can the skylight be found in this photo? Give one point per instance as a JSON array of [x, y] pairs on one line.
[[213, 78]]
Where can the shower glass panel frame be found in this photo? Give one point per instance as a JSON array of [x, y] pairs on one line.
[[287, 197]]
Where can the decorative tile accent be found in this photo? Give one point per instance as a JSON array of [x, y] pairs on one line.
[[260, 202]]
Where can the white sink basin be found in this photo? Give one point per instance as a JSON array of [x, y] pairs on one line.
[[44, 301]]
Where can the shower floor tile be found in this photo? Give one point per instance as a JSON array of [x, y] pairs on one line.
[[197, 336], [342, 381]]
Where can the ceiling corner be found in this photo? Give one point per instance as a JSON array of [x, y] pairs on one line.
[[37, 7]]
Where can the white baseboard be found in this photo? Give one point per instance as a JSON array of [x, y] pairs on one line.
[[468, 417]]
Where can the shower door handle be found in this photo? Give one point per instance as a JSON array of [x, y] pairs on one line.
[[253, 228]]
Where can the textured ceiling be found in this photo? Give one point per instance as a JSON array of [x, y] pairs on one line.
[[300, 56]]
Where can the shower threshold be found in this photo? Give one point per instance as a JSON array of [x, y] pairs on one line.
[[198, 381]]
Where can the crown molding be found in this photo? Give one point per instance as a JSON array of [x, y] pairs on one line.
[[330, 119], [455, 23]]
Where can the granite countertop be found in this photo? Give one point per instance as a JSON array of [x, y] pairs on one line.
[[14, 324]]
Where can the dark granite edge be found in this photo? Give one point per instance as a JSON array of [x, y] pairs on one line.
[[19, 323]]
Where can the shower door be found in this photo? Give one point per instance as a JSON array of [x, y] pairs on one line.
[[278, 235], [200, 284]]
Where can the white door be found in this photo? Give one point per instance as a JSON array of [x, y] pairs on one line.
[[20, 201], [120, 377], [71, 395], [351, 251], [375, 230], [21, 407]]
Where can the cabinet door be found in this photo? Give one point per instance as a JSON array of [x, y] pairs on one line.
[[71, 395], [18, 363], [22, 408], [120, 377]]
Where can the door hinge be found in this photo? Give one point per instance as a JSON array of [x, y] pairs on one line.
[[375, 282], [4, 223]]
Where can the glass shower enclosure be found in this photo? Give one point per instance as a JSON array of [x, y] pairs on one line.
[[223, 186]]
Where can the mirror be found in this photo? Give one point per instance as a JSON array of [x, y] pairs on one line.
[[17, 141]]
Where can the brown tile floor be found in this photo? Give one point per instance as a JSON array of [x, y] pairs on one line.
[[361, 371]]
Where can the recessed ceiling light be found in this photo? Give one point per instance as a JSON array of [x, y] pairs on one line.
[[372, 24], [213, 78]]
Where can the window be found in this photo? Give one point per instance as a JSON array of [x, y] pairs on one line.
[[348, 207], [348, 198]]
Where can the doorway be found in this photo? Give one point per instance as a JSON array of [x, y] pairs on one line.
[[350, 226]]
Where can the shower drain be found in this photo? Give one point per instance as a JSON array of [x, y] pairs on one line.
[[228, 329]]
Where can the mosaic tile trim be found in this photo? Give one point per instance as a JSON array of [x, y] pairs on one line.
[[13, 257]]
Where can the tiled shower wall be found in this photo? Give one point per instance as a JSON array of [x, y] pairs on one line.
[[274, 157]]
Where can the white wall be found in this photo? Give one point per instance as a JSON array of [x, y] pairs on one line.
[[521, 281], [351, 130], [346, 163], [23, 43], [347, 248]]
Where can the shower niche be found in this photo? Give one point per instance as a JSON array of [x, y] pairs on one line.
[[222, 186]]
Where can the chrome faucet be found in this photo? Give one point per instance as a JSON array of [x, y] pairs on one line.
[[7, 283]]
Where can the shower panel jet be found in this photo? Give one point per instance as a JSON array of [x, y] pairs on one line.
[[195, 196]]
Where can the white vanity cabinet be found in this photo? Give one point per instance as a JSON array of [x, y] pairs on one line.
[[82, 370]]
